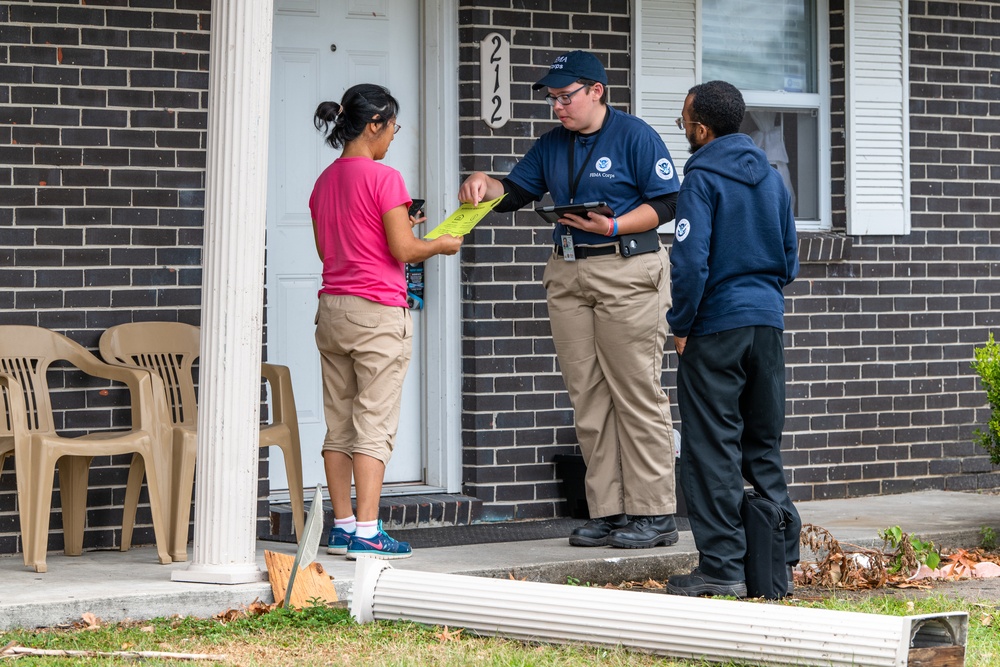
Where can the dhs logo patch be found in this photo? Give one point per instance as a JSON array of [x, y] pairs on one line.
[[664, 169], [603, 164], [682, 230]]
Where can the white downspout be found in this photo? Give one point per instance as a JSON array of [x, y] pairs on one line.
[[681, 627]]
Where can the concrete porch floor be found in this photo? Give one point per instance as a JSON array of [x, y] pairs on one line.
[[115, 586]]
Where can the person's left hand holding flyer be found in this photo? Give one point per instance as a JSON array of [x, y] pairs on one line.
[[463, 219]]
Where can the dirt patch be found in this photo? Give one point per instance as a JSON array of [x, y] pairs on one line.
[[982, 591], [899, 571], [985, 591]]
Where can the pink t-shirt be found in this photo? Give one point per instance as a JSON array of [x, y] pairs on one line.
[[347, 205]]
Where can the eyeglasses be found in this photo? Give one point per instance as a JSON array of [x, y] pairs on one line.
[[396, 127], [680, 122], [565, 99]]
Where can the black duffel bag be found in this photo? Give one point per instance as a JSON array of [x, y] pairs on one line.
[[764, 523]]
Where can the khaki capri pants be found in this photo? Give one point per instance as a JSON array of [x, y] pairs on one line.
[[365, 349]]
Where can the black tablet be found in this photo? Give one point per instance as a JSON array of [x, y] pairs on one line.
[[553, 213]]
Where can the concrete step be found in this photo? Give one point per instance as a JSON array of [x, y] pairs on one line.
[[396, 512]]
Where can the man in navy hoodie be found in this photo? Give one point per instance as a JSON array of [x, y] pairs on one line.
[[734, 250]]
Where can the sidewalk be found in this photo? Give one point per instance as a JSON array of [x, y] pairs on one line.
[[115, 586]]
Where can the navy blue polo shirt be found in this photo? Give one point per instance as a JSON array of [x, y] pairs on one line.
[[628, 165]]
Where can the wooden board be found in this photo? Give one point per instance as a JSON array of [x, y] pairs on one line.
[[311, 583], [941, 656]]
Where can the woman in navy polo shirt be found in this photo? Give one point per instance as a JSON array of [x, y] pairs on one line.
[[608, 290]]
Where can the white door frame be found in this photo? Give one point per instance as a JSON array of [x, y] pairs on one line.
[[442, 381], [441, 384]]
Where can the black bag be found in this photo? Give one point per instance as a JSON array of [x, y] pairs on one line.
[[764, 566]]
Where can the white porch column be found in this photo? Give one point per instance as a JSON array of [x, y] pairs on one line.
[[232, 294]]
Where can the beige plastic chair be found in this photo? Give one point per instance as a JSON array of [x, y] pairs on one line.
[[6, 423], [169, 350], [29, 433]]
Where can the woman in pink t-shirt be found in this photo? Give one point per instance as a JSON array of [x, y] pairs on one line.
[[364, 235]]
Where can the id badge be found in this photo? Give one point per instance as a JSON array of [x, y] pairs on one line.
[[569, 254]]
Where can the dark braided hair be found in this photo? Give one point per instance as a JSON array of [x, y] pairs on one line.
[[362, 104]]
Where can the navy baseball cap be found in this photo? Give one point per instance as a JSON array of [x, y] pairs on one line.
[[570, 67]]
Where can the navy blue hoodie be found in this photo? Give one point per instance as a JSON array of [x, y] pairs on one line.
[[734, 245]]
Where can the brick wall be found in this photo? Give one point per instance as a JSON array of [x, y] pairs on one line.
[[102, 135], [102, 158], [882, 398], [880, 330]]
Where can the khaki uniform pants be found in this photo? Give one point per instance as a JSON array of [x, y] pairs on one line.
[[608, 317], [364, 349]]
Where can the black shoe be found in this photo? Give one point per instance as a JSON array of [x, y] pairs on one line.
[[699, 583], [595, 532], [791, 581], [643, 532]]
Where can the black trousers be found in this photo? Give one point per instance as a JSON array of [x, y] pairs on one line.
[[731, 395]]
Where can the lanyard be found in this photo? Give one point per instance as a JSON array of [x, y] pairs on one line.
[[574, 182]]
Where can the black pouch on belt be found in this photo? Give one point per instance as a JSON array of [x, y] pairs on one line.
[[637, 244]]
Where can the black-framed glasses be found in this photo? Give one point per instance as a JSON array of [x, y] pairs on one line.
[[396, 127], [680, 122], [565, 99]]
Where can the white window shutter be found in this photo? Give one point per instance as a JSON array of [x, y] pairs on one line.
[[666, 67], [878, 146]]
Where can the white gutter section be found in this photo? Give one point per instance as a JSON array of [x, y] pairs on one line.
[[681, 627]]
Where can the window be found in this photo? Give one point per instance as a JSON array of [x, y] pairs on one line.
[[765, 45], [776, 51], [769, 49], [791, 141]]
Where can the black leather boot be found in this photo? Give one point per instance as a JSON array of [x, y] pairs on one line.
[[643, 532], [699, 583], [595, 532]]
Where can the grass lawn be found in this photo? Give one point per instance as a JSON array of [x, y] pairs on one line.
[[328, 636]]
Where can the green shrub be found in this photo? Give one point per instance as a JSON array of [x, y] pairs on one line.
[[910, 551], [987, 365], [987, 538]]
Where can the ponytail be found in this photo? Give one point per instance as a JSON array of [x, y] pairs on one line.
[[362, 104]]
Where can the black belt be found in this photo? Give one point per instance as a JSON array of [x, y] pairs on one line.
[[583, 252], [627, 246]]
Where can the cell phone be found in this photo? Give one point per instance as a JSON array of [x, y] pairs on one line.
[[416, 207], [553, 213], [637, 244]]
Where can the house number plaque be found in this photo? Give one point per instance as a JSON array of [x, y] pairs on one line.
[[494, 77]]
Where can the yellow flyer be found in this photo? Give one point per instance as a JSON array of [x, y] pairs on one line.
[[464, 219]]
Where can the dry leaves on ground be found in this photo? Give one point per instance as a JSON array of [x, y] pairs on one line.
[[447, 635], [852, 567], [649, 584], [845, 566], [255, 608]]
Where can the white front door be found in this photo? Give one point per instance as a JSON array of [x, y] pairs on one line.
[[321, 48]]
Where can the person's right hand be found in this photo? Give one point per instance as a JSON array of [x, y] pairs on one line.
[[449, 244], [680, 342], [474, 188]]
